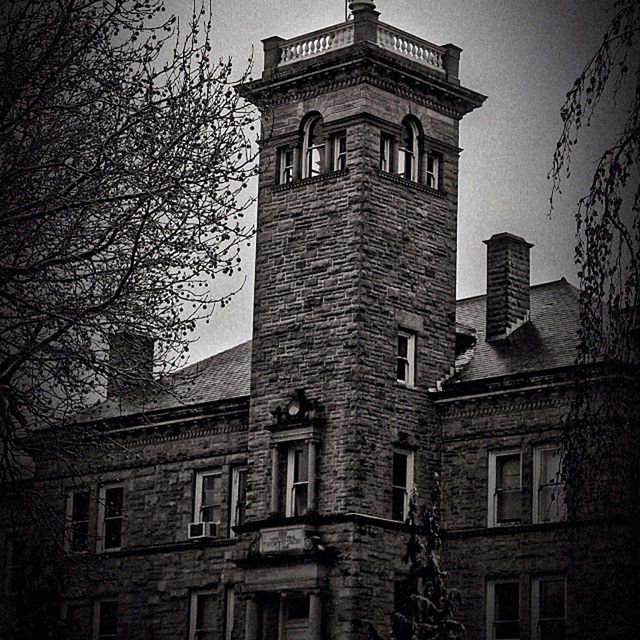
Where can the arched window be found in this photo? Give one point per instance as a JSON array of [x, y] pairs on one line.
[[408, 151], [314, 148]]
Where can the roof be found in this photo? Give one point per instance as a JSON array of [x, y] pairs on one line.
[[548, 341]]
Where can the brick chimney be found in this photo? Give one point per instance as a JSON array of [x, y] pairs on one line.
[[130, 363], [507, 284]]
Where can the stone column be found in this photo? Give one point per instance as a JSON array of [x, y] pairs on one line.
[[315, 616], [251, 620], [275, 505]]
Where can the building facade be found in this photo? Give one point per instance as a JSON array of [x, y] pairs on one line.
[[262, 495]]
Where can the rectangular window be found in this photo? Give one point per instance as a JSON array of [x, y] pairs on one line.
[[110, 517], [505, 488], [405, 362], [339, 151], [78, 503], [16, 558], [297, 480], [286, 164], [208, 497], [548, 607], [105, 624], [503, 610], [238, 498], [203, 623], [433, 170], [549, 497], [386, 152], [402, 484], [296, 617], [75, 621]]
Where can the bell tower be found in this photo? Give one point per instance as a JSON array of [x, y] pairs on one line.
[[354, 316]]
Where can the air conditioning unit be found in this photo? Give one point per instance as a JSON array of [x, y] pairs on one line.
[[203, 530]]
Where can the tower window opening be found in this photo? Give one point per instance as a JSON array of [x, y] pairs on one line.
[[433, 170], [386, 146], [314, 152], [286, 165], [408, 152], [339, 145]]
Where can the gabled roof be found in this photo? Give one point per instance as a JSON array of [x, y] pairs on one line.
[[548, 341]]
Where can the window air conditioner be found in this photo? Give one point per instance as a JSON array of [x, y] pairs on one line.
[[203, 530]]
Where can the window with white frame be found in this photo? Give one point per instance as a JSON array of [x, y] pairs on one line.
[[548, 608], [78, 503], [339, 147], [386, 152], [314, 148], [402, 484], [105, 620], [503, 610], [238, 497], [297, 479], [548, 487], [204, 621], [286, 164], [433, 170], [207, 505], [505, 487], [407, 165], [110, 517], [406, 355]]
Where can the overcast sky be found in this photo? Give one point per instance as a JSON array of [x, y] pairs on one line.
[[523, 55]]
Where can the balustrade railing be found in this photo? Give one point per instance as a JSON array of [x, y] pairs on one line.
[[342, 35], [410, 46], [315, 44]]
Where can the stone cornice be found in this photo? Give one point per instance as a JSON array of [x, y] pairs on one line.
[[392, 177], [362, 63], [495, 406]]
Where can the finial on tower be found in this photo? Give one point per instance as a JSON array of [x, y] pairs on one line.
[[361, 5]]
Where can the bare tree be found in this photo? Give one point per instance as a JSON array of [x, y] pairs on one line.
[[599, 427], [123, 168]]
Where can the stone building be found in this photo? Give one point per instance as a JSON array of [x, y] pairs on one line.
[[262, 494]]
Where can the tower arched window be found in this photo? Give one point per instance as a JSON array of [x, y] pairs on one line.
[[408, 154], [314, 148]]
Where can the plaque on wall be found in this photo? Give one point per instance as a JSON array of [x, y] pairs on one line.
[[283, 540]]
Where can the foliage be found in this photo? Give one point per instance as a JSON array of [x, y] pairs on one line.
[[427, 606], [608, 244], [123, 169]]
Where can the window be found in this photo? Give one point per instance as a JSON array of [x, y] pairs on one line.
[[207, 504], [283, 616], [505, 491], [386, 152], [548, 497], [78, 521], [408, 152], [433, 170], [238, 498], [204, 616], [314, 148], [297, 480], [406, 358], [16, 556], [402, 484], [286, 165], [105, 625], [339, 144], [548, 606], [503, 610], [110, 517]]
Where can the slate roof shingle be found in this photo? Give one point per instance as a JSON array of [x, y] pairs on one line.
[[548, 341]]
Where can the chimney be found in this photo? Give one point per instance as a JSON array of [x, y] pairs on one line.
[[130, 363], [507, 284]]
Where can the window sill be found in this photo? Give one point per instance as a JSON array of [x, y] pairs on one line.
[[301, 182], [404, 385], [393, 177]]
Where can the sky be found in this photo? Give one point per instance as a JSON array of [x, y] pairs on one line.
[[523, 55]]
